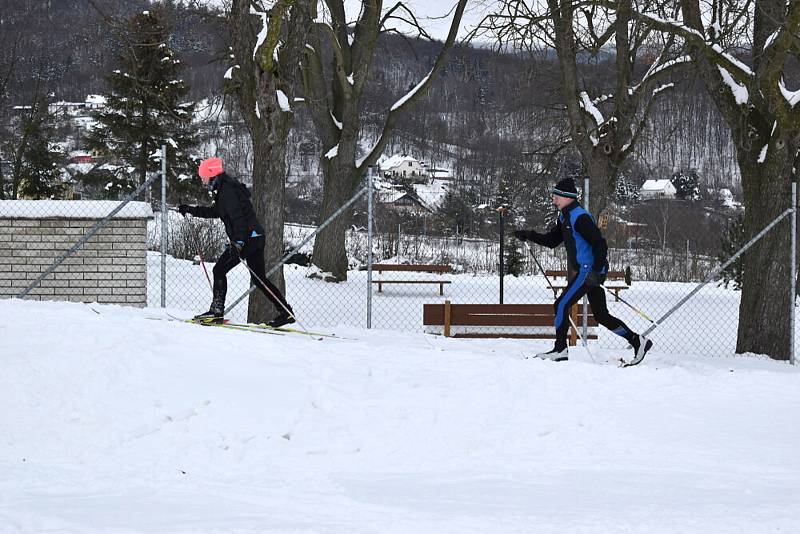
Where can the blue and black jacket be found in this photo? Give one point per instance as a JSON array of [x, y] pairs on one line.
[[586, 248]]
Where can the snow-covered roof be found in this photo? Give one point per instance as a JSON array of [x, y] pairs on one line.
[[393, 195], [96, 99], [72, 209], [656, 185], [433, 193], [82, 168], [395, 161], [389, 196]]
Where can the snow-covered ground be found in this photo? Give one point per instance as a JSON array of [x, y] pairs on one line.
[[114, 422]]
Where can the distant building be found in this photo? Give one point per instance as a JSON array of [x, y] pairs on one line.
[[402, 166], [433, 192], [402, 202], [95, 102], [66, 108], [80, 156], [656, 189]]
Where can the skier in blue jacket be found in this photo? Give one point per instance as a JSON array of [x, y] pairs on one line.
[[586, 254]]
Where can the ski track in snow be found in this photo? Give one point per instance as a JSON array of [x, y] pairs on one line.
[[114, 423]]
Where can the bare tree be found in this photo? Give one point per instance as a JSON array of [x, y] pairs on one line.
[[605, 126], [267, 45], [334, 97], [742, 52]]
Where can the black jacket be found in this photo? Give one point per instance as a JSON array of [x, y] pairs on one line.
[[232, 205], [586, 247]]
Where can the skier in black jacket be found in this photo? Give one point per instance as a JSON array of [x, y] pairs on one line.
[[586, 254], [232, 205]]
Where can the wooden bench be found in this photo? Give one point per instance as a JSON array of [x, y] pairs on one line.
[[518, 321], [391, 267], [616, 281]]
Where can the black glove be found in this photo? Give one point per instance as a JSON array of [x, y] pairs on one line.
[[523, 235], [237, 247], [595, 278], [183, 209]]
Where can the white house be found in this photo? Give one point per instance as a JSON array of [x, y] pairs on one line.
[[653, 189], [95, 101], [402, 166]]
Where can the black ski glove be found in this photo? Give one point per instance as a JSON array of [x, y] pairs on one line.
[[523, 235], [595, 278], [183, 209], [237, 247]]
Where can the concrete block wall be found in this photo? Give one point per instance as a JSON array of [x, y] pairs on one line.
[[110, 268]]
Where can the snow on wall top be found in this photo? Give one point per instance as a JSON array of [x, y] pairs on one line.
[[72, 209]]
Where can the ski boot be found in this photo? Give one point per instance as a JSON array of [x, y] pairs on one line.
[[215, 313], [283, 318], [640, 346]]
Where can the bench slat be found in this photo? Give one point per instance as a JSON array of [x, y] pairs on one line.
[[513, 336], [434, 268], [610, 275], [495, 315], [412, 282]]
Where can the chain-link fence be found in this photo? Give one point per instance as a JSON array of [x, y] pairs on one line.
[[663, 249]]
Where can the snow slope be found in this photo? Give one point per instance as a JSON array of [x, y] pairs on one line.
[[113, 422]]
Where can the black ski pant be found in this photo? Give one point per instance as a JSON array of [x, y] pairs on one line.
[[253, 254], [575, 291]]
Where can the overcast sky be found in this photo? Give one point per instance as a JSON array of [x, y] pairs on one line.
[[428, 12]]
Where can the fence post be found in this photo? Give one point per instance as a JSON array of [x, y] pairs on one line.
[[793, 274], [687, 261], [164, 226], [369, 247], [501, 211]]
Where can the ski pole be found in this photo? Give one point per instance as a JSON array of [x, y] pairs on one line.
[[279, 301], [203, 264], [631, 306], [585, 342]]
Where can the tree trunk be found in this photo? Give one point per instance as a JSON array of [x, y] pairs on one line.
[[330, 247], [269, 173], [602, 176], [763, 312], [258, 80]]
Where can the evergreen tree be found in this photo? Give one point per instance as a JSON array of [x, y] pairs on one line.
[[515, 258], [35, 166], [626, 191], [144, 110], [455, 211], [733, 240], [687, 185]]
